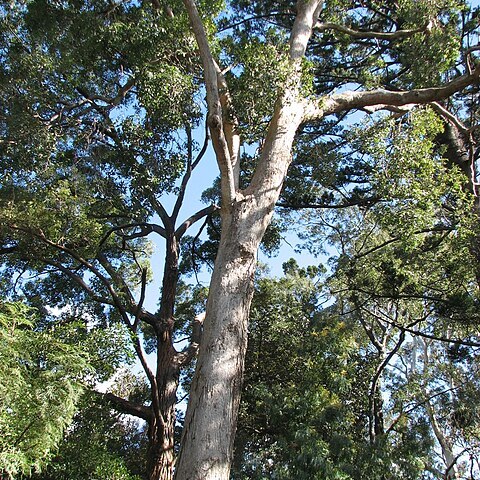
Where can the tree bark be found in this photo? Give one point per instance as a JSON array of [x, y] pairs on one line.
[[161, 428], [210, 424]]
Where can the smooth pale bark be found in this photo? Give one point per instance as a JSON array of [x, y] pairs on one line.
[[210, 423], [449, 457]]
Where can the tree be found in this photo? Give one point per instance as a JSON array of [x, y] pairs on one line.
[[305, 408], [41, 383], [214, 396], [406, 268], [84, 174], [99, 444], [89, 146]]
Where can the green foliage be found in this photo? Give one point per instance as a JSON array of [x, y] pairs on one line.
[[95, 97], [40, 382], [407, 261], [304, 410], [99, 445], [261, 69], [294, 383]]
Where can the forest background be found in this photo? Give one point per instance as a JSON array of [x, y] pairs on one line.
[[362, 361]]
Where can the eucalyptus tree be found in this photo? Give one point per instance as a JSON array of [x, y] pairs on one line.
[[99, 102], [214, 395]]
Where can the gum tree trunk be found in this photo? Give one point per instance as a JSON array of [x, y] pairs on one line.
[[210, 423]]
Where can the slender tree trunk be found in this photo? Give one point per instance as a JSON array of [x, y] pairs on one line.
[[161, 429], [160, 457]]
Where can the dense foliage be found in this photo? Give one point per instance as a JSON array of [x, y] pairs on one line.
[[364, 367], [41, 383]]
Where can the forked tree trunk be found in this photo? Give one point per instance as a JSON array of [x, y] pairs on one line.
[[210, 424], [207, 440], [160, 456]]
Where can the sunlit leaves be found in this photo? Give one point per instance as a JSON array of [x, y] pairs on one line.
[[261, 68], [40, 388]]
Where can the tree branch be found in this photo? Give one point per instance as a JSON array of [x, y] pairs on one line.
[[116, 277], [351, 100], [307, 16], [215, 120], [162, 213], [125, 406], [363, 202], [78, 280], [192, 164], [397, 35], [419, 333], [145, 229], [7, 250], [194, 218], [186, 356]]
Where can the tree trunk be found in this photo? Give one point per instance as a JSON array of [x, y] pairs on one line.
[[160, 457], [210, 423], [161, 429], [208, 435]]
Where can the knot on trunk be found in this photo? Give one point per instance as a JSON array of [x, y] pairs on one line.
[[214, 121]]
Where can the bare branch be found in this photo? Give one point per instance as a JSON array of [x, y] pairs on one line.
[[375, 380], [390, 36], [116, 277], [230, 128], [125, 406], [78, 280], [288, 113], [142, 299], [391, 108], [192, 164], [111, 101], [6, 250], [194, 218], [145, 229], [362, 202], [443, 112], [407, 329], [307, 16], [162, 213], [215, 114]]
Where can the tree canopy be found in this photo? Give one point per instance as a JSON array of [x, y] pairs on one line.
[[353, 123]]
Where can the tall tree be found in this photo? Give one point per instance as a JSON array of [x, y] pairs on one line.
[[214, 397], [95, 97]]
